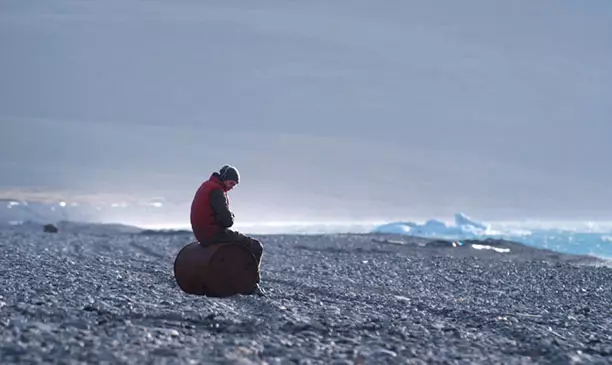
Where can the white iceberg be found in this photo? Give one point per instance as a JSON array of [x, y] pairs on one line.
[[463, 220], [463, 226]]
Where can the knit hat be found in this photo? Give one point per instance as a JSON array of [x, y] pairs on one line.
[[228, 172]]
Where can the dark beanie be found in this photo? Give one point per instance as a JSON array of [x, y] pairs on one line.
[[228, 172]]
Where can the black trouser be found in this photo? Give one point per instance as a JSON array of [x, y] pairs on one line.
[[229, 236]]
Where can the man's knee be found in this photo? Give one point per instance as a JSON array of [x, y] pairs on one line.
[[256, 247], [252, 244]]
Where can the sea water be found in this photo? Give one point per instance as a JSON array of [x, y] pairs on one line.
[[583, 238]]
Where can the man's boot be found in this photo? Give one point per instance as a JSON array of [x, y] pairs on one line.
[[258, 291]]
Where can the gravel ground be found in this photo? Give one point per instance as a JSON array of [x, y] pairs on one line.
[[332, 299]]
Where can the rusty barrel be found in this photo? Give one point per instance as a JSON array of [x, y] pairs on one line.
[[216, 270]]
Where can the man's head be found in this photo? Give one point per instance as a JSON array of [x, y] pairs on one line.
[[230, 176]]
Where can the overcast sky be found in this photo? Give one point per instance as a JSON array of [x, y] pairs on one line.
[[348, 109]]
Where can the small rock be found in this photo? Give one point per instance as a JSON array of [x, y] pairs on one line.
[[513, 319], [42, 326], [172, 333], [308, 334], [13, 351], [79, 324], [402, 298], [240, 361], [50, 228], [164, 352], [342, 362], [384, 352]]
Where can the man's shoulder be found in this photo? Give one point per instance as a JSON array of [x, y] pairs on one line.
[[211, 184], [206, 188]]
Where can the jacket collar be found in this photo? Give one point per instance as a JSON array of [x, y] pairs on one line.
[[216, 178]]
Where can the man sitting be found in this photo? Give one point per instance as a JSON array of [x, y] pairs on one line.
[[211, 216]]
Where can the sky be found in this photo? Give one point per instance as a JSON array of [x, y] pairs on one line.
[[330, 110]]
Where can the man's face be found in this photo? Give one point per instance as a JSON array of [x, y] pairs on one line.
[[229, 184]]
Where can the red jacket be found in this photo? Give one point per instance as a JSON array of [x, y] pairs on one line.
[[209, 218]]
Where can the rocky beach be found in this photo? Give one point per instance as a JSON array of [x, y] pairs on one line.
[[95, 297]]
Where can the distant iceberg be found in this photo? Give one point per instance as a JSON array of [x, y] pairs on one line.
[[464, 226], [463, 220]]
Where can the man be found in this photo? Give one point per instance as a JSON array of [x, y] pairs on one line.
[[211, 216]]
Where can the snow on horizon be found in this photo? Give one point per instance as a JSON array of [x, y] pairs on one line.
[[354, 111], [576, 237]]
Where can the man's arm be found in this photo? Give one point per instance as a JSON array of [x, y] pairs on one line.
[[221, 208]]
